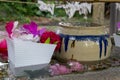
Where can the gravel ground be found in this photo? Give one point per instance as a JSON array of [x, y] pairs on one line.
[[108, 74], [112, 73]]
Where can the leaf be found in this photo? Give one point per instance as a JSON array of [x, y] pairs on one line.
[[56, 42], [47, 41]]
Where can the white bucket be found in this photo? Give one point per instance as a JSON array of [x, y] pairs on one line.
[[26, 53]]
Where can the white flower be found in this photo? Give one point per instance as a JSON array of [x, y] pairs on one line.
[[29, 37]]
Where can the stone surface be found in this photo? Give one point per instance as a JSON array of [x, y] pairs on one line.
[[111, 73], [98, 12]]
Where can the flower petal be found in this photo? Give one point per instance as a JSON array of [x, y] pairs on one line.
[[9, 27]]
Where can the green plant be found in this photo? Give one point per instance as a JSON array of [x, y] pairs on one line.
[[23, 11]]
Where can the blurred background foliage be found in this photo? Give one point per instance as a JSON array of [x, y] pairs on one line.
[[25, 12]]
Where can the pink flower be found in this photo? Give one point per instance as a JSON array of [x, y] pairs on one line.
[[58, 69], [54, 70], [32, 28], [75, 66], [9, 27], [118, 25], [3, 49]]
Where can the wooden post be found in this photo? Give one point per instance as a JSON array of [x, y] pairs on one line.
[[113, 17], [98, 12]]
